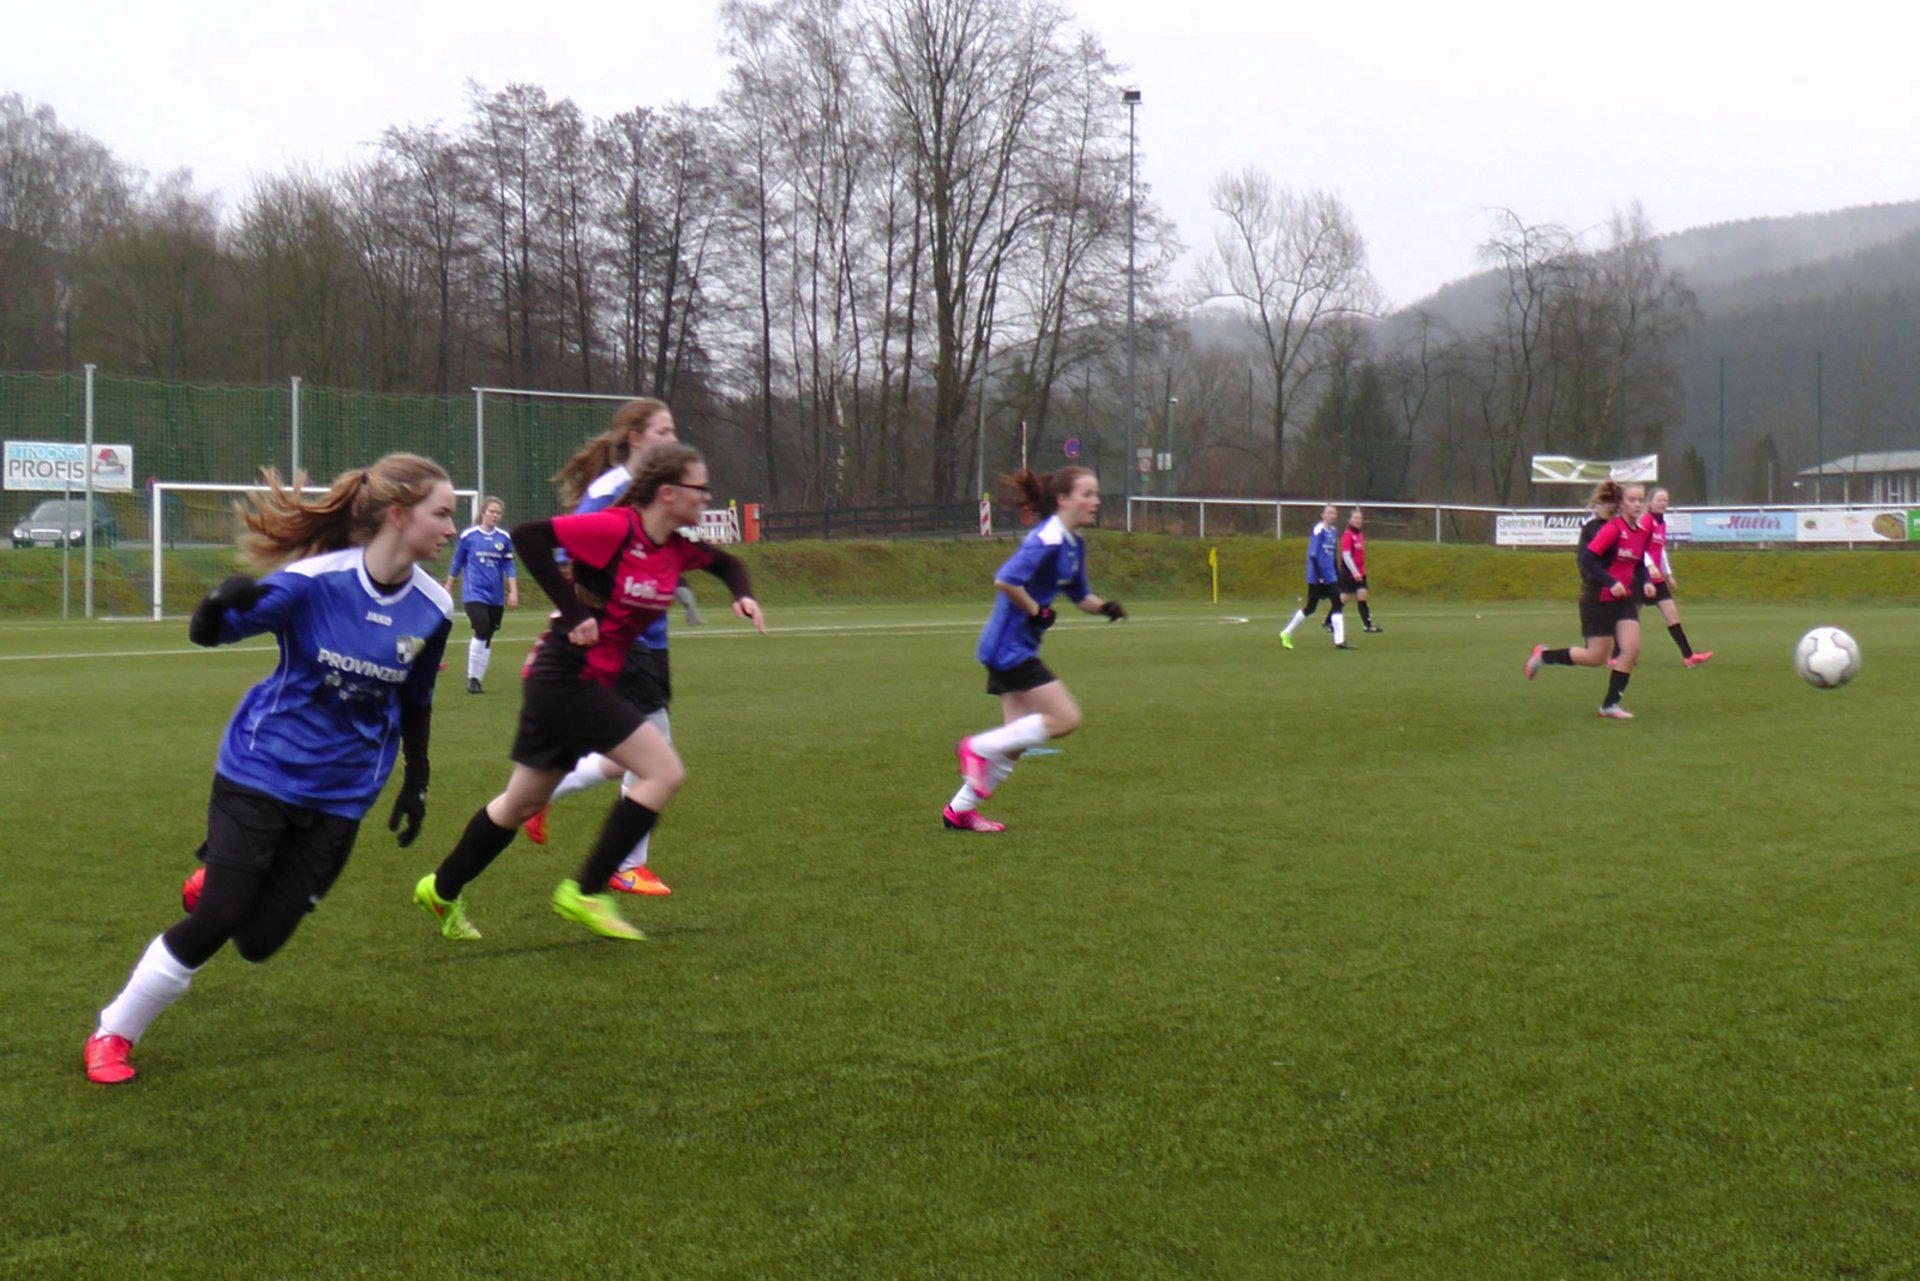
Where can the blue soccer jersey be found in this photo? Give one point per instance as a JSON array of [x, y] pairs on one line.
[[482, 561], [324, 729], [1049, 561], [602, 494], [1322, 545]]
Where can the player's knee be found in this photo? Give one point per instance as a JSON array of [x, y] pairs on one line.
[[1063, 722], [256, 943]]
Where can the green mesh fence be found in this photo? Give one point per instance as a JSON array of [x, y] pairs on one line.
[[226, 435]]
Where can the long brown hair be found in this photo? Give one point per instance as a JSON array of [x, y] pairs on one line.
[[1041, 491], [607, 450], [1607, 491], [663, 465], [282, 526]]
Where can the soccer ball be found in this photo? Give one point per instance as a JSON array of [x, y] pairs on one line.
[[1826, 658]]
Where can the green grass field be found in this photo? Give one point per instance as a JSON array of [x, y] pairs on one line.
[[1321, 965]]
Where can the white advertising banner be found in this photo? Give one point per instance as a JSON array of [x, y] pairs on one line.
[[57, 466], [1888, 525], [1538, 529], [1561, 469]]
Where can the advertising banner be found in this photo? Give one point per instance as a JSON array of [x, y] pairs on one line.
[[1538, 529], [1560, 469], [50, 465], [1740, 527], [1888, 525]]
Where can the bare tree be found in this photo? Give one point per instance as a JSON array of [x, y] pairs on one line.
[[148, 292], [297, 263], [1514, 375], [1295, 265], [431, 208]]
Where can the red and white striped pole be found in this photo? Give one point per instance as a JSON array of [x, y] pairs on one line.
[[986, 517]]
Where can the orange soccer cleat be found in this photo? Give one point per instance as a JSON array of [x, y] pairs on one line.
[[536, 827], [638, 880], [190, 888]]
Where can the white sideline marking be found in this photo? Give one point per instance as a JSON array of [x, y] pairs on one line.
[[741, 633]]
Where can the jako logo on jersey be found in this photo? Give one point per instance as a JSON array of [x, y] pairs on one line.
[[381, 619], [407, 648], [361, 667]]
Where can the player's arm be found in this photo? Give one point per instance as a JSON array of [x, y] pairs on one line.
[[512, 580], [416, 730], [1593, 557], [241, 607], [732, 571], [458, 563]]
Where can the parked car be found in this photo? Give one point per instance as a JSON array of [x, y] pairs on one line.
[[59, 520]]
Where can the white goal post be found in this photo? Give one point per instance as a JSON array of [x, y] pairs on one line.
[[162, 536]]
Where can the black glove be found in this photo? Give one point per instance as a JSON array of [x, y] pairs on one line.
[[1044, 619], [410, 809], [237, 592], [1113, 611]]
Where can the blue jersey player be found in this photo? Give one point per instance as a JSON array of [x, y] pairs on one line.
[[1323, 580], [1034, 705], [361, 628], [483, 562]]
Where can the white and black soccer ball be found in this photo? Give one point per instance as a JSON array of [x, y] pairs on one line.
[[1827, 658]]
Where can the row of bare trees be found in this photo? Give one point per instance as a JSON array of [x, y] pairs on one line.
[[892, 252]]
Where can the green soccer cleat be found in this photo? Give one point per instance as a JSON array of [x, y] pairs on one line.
[[452, 916], [1286, 641], [595, 911]]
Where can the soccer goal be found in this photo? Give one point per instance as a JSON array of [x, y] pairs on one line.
[[193, 525]]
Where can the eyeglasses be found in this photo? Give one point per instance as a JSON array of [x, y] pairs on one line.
[[704, 489]]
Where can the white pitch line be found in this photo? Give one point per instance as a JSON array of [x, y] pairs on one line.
[[743, 633]]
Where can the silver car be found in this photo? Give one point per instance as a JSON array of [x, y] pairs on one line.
[[58, 521]]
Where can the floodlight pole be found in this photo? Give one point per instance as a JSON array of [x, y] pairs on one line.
[[1132, 98]]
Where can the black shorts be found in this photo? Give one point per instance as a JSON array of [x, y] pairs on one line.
[[1317, 592], [1352, 586], [485, 619], [1019, 678], [563, 719], [1599, 616], [299, 851], [1662, 590], [643, 679]]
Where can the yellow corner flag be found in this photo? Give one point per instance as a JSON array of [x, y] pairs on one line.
[[1213, 563]]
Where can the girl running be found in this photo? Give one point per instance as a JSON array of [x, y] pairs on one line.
[[1659, 586], [627, 558], [361, 628], [1611, 546], [1034, 705]]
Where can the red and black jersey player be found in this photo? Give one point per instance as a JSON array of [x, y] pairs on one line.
[[626, 561], [1611, 549]]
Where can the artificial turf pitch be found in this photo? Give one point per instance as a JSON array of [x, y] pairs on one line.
[[1373, 964]]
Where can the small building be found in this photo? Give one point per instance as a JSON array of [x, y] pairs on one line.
[[1871, 480]]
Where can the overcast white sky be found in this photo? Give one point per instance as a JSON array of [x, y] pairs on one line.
[[1421, 117]]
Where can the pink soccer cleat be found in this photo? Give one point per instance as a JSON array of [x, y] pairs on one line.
[[1615, 712], [1696, 658], [968, 821], [1534, 661], [190, 888], [973, 768], [106, 1060]]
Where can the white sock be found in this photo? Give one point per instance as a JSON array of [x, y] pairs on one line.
[[585, 773], [486, 653], [1293, 622], [998, 744], [476, 659], [157, 982], [1339, 629], [967, 799], [637, 857]]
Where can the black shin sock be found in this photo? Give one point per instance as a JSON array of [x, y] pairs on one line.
[[1616, 687], [1366, 615], [1679, 635], [1556, 657], [479, 845], [627, 821]]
